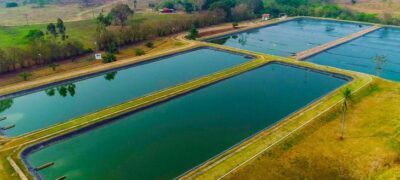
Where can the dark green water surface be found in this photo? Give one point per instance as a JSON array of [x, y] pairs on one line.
[[166, 140], [60, 103], [290, 37]]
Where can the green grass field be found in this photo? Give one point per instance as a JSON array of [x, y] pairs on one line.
[[83, 31], [80, 30]]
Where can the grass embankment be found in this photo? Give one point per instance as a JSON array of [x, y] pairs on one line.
[[371, 148]]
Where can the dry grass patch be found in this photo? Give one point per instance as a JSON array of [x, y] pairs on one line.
[[371, 148], [374, 6]]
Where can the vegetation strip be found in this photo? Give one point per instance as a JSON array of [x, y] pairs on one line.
[[84, 72], [16, 168], [324, 47]]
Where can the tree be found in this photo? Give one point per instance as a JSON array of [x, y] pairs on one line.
[[168, 4], [189, 7], [225, 5], [51, 29], [242, 12], [104, 20], [120, 13], [255, 6], [193, 33], [61, 28], [53, 66], [199, 4], [379, 61], [347, 95]]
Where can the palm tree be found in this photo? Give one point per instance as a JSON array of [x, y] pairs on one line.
[[346, 98]]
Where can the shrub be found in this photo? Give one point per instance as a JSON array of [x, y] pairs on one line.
[[235, 25], [139, 52], [109, 57], [193, 34], [25, 75], [149, 44], [53, 66]]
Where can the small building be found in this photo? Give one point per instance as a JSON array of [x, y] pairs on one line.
[[167, 10], [265, 17]]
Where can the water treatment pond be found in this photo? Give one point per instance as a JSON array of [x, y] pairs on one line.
[[360, 54], [47, 106], [288, 38], [164, 141]]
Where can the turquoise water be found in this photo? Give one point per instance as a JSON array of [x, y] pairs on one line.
[[49, 106], [168, 139], [359, 54], [288, 38]]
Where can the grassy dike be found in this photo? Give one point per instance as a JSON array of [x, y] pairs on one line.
[[214, 168]]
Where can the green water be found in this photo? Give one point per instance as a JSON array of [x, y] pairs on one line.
[[359, 54], [288, 38], [63, 102], [166, 140]]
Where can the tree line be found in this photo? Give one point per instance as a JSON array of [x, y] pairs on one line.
[[44, 47], [113, 30]]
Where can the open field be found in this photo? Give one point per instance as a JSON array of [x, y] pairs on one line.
[[30, 14], [371, 148], [79, 30], [83, 31], [374, 6]]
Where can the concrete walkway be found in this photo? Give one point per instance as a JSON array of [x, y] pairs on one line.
[[324, 47]]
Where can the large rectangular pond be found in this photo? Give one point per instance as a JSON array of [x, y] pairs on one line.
[[43, 107], [288, 38], [168, 139], [360, 54]]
